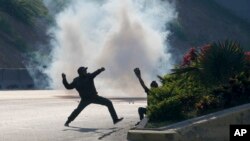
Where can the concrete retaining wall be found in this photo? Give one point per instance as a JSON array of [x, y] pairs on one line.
[[212, 127]]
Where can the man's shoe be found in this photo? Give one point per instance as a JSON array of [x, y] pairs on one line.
[[118, 120], [66, 124], [137, 123]]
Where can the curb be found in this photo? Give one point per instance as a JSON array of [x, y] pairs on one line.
[[214, 126], [140, 133], [151, 135]]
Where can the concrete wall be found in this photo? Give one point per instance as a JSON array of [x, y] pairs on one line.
[[15, 79], [212, 127]]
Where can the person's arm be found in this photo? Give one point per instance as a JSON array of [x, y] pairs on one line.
[[95, 73], [138, 74], [66, 84]]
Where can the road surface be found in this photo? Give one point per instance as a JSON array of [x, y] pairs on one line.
[[40, 116]]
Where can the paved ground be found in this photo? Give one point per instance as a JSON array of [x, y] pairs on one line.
[[40, 115]]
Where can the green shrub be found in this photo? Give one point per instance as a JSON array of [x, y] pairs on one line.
[[175, 99], [169, 109], [235, 92], [214, 78], [207, 103]]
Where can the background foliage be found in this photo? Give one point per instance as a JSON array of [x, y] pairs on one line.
[[209, 79]]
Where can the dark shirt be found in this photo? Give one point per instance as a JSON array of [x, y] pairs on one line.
[[84, 85]]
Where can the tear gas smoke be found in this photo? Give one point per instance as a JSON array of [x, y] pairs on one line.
[[118, 35]]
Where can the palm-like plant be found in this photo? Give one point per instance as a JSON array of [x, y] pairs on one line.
[[215, 63], [221, 61]]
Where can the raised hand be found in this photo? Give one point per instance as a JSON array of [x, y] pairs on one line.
[[102, 69], [63, 75], [137, 72]]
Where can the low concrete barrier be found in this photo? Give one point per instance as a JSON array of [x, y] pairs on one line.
[[212, 127]]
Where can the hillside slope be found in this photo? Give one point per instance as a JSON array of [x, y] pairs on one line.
[[240, 7], [18, 35], [201, 21]]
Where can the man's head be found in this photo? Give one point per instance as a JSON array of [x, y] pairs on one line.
[[154, 84], [82, 71]]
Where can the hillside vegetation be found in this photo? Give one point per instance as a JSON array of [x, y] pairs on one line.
[[22, 24]]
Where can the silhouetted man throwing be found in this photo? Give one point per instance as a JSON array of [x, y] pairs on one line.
[[85, 86], [142, 110]]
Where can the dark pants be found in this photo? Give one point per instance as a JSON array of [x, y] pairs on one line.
[[96, 100], [142, 111]]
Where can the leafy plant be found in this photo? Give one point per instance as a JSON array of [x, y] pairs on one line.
[[221, 61], [215, 63], [235, 92], [208, 80], [166, 109], [176, 99], [207, 103]]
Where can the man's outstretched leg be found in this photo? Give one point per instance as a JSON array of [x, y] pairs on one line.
[[76, 112], [106, 102]]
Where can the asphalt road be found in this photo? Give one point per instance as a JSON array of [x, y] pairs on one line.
[[40, 116]]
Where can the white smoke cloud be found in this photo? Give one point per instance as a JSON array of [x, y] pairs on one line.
[[118, 35]]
